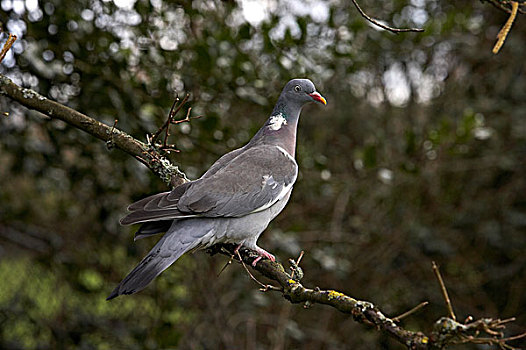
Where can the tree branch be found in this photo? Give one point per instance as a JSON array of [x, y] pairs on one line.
[[145, 153], [444, 291], [11, 38], [381, 25], [503, 33], [446, 331], [505, 5]]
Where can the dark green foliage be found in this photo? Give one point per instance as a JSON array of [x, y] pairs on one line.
[[419, 156]]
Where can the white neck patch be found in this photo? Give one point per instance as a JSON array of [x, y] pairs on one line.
[[277, 121]]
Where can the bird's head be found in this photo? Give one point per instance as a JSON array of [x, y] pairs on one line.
[[302, 91]]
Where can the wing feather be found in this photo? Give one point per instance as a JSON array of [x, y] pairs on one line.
[[253, 180]]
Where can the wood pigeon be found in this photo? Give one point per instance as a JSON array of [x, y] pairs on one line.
[[233, 202]]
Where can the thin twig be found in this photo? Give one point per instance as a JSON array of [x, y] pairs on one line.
[[515, 337], [503, 33], [300, 257], [166, 125], [167, 130], [507, 320], [10, 41], [412, 311], [444, 291], [169, 148], [173, 111], [386, 27], [491, 341], [226, 265], [295, 266], [497, 4], [186, 119], [264, 287], [110, 143]]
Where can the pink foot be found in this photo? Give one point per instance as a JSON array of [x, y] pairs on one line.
[[256, 261], [237, 248], [262, 254]]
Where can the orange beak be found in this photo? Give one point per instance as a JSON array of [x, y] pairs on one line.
[[318, 98]]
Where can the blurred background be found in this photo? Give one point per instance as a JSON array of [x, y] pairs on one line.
[[420, 155]]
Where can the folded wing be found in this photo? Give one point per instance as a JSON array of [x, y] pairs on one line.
[[252, 181]]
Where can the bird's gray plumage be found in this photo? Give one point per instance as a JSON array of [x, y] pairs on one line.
[[233, 202]]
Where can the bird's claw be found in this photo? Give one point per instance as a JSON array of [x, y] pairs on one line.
[[262, 254]]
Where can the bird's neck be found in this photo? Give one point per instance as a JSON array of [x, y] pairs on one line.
[[280, 128]]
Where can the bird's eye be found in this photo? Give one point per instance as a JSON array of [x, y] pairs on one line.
[[297, 88]]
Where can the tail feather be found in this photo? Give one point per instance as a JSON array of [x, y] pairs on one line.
[[164, 254], [152, 228], [164, 198], [149, 268], [141, 203], [181, 237], [139, 216]]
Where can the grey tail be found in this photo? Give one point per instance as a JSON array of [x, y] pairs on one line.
[[164, 254]]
